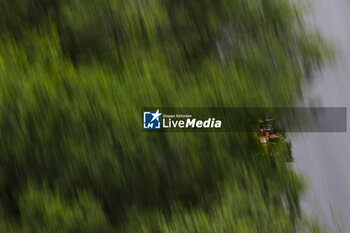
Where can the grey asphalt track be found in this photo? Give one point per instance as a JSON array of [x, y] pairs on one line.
[[324, 158]]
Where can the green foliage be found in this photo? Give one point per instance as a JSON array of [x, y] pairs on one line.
[[43, 211], [74, 76]]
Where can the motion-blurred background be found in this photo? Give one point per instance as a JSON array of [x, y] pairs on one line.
[[74, 76]]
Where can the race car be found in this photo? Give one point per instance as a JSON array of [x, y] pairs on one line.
[[273, 142]]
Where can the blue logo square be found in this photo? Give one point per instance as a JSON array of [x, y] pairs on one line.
[[151, 120]]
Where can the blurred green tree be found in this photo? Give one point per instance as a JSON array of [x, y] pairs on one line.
[[74, 76]]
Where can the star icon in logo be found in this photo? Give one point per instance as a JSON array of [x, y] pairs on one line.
[[156, 115]]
